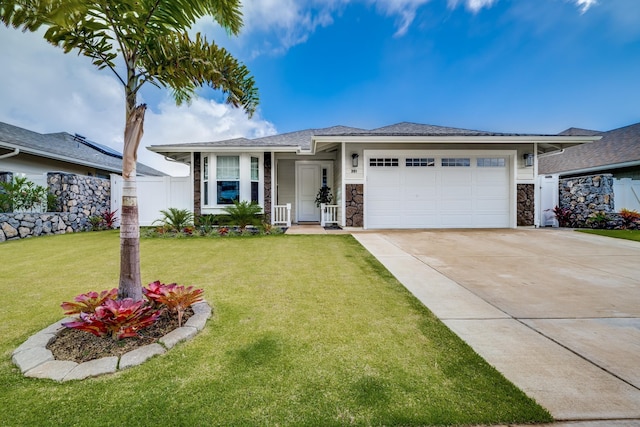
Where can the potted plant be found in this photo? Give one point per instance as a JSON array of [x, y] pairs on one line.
[[324, 196]]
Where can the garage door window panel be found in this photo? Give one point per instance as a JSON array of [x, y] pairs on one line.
[[456, 162]]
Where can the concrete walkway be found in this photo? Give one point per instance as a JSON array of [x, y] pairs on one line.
[[556, 311]]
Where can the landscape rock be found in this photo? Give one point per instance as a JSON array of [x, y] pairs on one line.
[[139, 355], [93, 368]]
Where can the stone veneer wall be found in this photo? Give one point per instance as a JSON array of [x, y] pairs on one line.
[[354, 204], [79, 198], [526, 205], [267, 186], [586, 195], [197, 200]]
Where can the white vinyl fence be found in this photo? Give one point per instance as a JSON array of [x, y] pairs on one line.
[[627, 194], [155, 193]]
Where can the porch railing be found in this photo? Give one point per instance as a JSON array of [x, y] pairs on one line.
[[282, 215], [328, 214]]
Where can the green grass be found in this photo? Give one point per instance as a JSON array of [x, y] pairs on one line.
[[618, 234], [307, 331]]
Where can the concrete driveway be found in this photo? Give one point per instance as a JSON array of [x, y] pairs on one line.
[[556, 311]]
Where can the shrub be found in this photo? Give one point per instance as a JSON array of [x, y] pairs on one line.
[[175, 220], [629, 217], [109, 219], [175, 297], [597, 220], [21, 195], [563, 215], [243, 214]]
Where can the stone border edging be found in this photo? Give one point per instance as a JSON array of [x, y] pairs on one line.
[[36, 361]]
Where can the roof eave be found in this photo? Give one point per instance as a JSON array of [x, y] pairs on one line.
[[49, 155]]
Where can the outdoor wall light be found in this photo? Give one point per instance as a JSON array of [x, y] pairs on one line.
[[354, 159], [528, 159]]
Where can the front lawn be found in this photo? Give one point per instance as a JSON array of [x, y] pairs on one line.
[[307, 330], [618, 234]]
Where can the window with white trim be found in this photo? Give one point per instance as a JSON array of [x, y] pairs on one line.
[[383, 162], [228, 180], [456, 162], [255, 180], [490, 162], [420, 162]]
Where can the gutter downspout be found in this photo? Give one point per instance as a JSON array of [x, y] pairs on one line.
[[16, 151]]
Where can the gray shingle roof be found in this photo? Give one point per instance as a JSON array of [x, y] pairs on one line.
[[302, 139], [65, 146], [616, 147]]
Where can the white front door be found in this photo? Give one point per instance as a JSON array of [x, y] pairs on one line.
[[308, 182]]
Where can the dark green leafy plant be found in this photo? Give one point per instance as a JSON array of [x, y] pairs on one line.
[[244, 214], [205, 223], [324, 196], [95, 223], [175, 220], [597, 220], [20, 195]]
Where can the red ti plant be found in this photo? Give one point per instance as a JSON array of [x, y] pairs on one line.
[[116, 318], [109, 219], [87, 303], [177, 298]]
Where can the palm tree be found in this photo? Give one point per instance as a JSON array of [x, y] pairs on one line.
[[142, 41]]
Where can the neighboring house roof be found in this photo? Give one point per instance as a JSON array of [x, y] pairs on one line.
[[68, 148], [303, 141], [618, 148]]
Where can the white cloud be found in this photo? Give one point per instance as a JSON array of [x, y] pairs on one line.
[[584, 5], [47, 91], [472, 5]]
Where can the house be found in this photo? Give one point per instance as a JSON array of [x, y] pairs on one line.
[[26, 152], [616, 153], [405, 175]]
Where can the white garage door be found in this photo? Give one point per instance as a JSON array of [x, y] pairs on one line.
[[422, 189]]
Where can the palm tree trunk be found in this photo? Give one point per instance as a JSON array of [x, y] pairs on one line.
[[130, 280]]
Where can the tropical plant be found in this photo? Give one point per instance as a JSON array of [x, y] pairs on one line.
[[176, 298], [96, 223], [109, 219], [205, 223], [116, 319], [629, 217], [87, 303], [324, 196], [597, 220], [148, 41], [243, 214], [20, 195], [175, 220], [563, 215]]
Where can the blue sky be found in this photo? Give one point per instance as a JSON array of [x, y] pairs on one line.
[[536, 66]]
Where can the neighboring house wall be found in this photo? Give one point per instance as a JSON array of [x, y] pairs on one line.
[[29, 164], [586, 195]]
